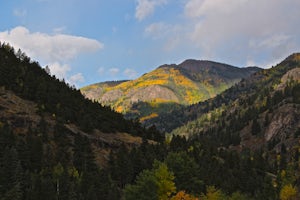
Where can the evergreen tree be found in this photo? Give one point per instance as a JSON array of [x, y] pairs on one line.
[[256, 129], [186, 172], [152, 184]]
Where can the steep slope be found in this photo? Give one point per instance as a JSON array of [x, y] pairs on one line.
[[55, 143], [167, 86], [22, 115], [29, 96], [258, 82], [261, 112], [95, 91]]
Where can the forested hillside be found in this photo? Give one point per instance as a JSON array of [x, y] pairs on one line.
[[48, 151], [261, 84], [265, 106], [46, 125], [166, 88]]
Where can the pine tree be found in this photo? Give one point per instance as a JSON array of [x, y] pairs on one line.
[[154, 184], [256, 129]]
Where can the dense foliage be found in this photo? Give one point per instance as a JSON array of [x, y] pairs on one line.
[[28, 80], [251, 109], [34, 167], [50, 162]]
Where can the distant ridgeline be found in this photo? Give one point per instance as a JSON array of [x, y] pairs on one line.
[[167, 88], [259, 112], [236, 107]]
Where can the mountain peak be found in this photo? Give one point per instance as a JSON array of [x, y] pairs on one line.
[[167, 66], [293, 57], [168, 86], [204, 65], [194, 61]]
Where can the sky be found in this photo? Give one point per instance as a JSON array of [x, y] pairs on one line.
[[89, 41]]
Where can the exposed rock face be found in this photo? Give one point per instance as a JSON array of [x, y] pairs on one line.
[[94, 94], [111, 96], [283, 122], [293, 74], [151, 92]]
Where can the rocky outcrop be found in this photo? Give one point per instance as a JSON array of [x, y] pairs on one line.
[[284, 121], [291, 75], [150, 93]]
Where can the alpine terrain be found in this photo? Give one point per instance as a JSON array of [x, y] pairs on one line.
[[234, 136]]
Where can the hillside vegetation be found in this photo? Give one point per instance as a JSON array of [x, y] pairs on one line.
[[167, 87], [245, 145], [260, 83], [264, 113]]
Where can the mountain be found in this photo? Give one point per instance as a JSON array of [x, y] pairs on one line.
[[255, 84], [261, 111], [56, 144], [167, 87]]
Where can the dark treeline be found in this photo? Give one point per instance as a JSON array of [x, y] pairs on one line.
[[62, 166], [28, 80], [50, 162]]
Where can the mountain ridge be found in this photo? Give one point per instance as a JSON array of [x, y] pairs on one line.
[[181, 115], [268, 108], [186, 83]]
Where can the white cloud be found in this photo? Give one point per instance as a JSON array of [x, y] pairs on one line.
[[198, 8], [114, 71], [244, 25], [239, 32], [59, 70], [76, 78], [145, 8], [130, 73], [49, 48]]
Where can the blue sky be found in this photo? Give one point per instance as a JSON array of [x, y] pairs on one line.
[[88, 41]]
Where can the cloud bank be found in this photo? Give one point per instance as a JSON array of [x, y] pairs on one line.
[[268, 27], [50, 48], [76, 78], [59, 70], [54, 50], [234, 31]]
